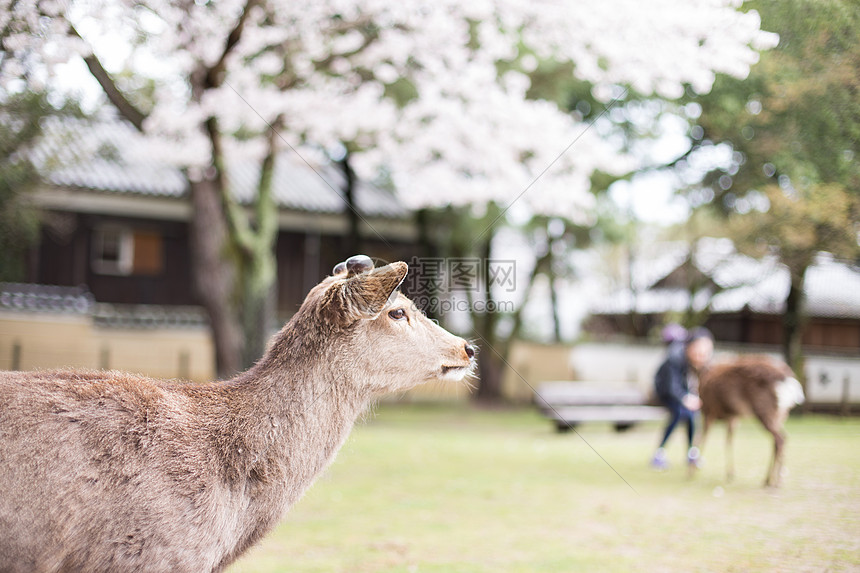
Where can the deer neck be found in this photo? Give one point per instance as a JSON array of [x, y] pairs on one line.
[[303, 408]]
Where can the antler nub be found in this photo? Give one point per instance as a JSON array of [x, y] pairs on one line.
[[358, 264], [354, 265]]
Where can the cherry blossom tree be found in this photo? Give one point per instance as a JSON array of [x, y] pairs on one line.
[[437, 94]]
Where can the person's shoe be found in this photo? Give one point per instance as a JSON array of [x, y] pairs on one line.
[[659, 461], [694, 459]]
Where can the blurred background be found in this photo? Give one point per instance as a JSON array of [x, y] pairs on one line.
[[564, 181], [175, 177]]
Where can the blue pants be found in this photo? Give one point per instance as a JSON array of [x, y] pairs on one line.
[[679, 412]]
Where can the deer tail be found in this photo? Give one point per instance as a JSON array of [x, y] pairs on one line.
[[789, 393]]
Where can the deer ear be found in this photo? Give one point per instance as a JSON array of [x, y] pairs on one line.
[[364, 295]]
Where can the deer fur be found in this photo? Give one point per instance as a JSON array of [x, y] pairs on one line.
[[750, 386], [108, 471]]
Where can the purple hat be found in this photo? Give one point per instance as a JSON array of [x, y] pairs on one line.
[[673, 333]]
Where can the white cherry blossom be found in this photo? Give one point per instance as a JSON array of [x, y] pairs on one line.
[[460, 131]]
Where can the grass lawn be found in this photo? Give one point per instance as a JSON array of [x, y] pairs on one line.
[[456, 489]]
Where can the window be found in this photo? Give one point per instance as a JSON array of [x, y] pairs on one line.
[[147, 258], [113, 248], [118, 250]]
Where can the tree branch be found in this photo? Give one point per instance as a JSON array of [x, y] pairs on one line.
[[541, 265], [215, 74], [116, 97], [369, 38], [266, 210], [238, 227]]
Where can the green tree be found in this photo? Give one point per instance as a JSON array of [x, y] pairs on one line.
[[792, 188], [21, 120]]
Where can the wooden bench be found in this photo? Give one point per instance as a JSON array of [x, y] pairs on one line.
[[570, 403]]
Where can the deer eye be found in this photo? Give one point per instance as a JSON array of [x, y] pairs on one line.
[[397, 314]]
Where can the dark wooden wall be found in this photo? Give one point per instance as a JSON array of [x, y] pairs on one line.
[[64, 257]]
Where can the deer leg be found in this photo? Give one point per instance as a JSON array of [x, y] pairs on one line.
[[700, 442], [771, 418], [774, 474], [731, 424]]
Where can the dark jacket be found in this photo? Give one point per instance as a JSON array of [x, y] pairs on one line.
[[670, 382]]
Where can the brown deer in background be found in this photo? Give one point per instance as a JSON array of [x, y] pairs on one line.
[[106, 471], [751, 385]]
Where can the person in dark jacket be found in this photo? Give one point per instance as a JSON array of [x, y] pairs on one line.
[[675, 384]]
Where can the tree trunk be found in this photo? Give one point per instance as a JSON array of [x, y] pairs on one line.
[[490, 369], [490, 363], [258, 262], [493, 367], [213, 276], [353, 244], [634, 318], [259, 302], [793, 324], [212, 266], [553, 293], [429, 250], [540, 264]]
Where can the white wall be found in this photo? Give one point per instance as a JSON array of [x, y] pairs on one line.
[[826, 379], [635, 364]]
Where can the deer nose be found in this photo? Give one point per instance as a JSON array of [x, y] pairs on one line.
[[470, 350]]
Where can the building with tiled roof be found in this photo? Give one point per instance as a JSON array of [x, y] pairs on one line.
[[743, 298], [115, 217]]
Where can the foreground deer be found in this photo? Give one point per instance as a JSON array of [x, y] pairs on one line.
[[105, 471], [753, 385]]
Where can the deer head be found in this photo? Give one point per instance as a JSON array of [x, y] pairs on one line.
[[380, 336]]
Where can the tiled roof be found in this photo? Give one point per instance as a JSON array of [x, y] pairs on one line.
[[103, 155], [36, 298], [45, 298], [832, 287], [148, 316], [108, 155]]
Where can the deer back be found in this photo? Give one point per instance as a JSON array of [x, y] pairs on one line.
[[741, 386]]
